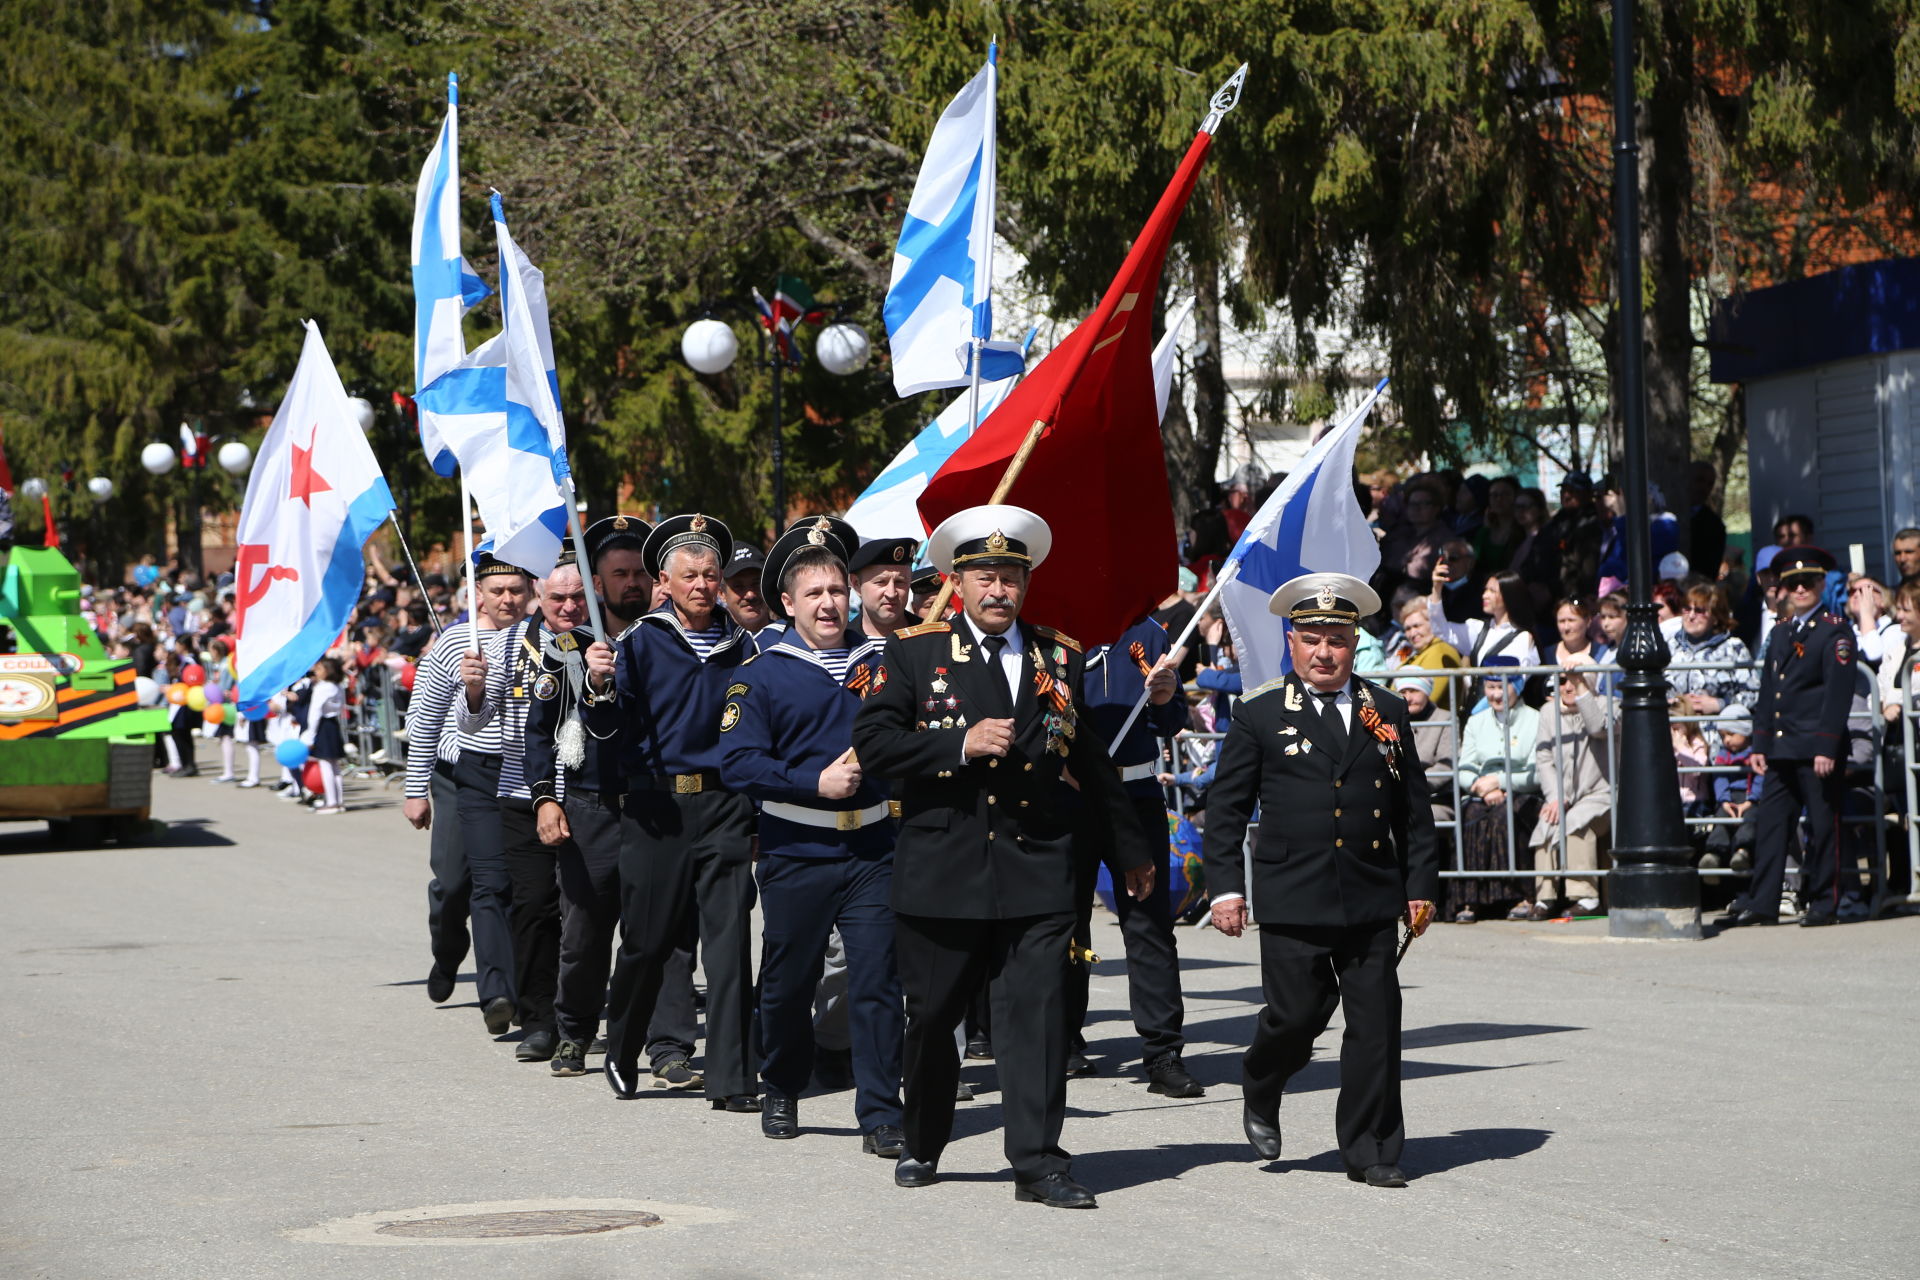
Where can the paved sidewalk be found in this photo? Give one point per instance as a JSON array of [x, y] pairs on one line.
[[218, 1051]]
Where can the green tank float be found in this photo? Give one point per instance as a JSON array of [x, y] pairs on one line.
[[76, 748]]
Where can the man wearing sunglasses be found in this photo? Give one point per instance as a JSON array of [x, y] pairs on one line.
[[1799, 745]]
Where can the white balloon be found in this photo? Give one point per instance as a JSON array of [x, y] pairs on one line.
[[158, 458], [235, 457], [34, 488], [101, 488], [146, 690], [709, 346], [843, 348], [362, 412]]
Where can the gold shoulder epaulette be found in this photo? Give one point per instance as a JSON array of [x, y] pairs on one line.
[[1268, 687], [924, 629], [1059, 637]]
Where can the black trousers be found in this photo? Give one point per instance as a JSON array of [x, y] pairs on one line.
[[802, 899], [1146, 931], [1306, 973], [942, 964], [476, 780], [1792, 785], [589, 867], [682, 854], [450, 887], [534, 916]]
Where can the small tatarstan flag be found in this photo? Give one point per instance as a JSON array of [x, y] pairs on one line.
[[793, 302]]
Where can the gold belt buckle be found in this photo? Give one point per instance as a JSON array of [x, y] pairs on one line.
[[846, 819], [893, 809], [686, 784]]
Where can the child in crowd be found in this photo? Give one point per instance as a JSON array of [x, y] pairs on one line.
[[327, 744], [1691, 752], [1734, 793]]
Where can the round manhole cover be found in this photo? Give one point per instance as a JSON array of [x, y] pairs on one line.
[[524, 1222]]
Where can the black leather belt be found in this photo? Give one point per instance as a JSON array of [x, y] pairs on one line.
[[680, 784]]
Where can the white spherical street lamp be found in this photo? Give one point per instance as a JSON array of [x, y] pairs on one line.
[[843, 349], [158, 458], [101, 488], [33, 488], [234, 457], [709, 346], [362, 413]]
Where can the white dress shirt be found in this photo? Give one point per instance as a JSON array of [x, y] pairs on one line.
[[1010, 659]]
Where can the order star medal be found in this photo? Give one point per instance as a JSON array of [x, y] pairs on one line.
[[939, 684]]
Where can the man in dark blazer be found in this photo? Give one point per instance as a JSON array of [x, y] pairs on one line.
[[979, 720], [1800, 747], [1345, 850]]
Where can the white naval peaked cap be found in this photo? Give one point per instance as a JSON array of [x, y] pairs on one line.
[[1324, 598], [989, 535]]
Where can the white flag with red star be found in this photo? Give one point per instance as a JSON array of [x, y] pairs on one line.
[[316, 495]]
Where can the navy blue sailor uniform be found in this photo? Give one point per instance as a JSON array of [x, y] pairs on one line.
[[685, 839], [588, 866], [823, 863], [1806, 691], [1115, 680], [983, 884]]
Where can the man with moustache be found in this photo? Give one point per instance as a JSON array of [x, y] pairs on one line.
[[745, 601], [684, 838], [1345, 851], [978, 721], [826, 835]]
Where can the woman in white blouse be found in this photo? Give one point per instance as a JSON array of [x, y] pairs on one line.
[[1507, 631]]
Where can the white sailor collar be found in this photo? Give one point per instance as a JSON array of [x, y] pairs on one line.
[[791, 645]]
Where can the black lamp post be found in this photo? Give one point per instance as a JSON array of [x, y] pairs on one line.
[[1653, 892]]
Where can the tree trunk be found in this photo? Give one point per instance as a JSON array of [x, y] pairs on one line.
[[1666, 192]]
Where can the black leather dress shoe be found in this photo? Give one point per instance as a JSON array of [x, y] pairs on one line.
[[439, 984], [624, 1081], [980, 1048], [1379, 1175], [1263, 1133], [1168, 1075], [743, 1103], [886, 1141], [498, 1014], [1056, 1191], [908, 1172], [537, 1046], [1741, 918], [780, 1117], [1818, 919], [1079, 1065]]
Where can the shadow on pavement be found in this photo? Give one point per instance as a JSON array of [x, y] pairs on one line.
[[1440, 1154], [186, 833]]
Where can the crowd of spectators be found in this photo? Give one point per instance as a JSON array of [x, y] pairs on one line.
[[1486, 572]]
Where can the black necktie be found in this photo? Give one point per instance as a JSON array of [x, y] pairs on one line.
[[1336, 727], [1000, 702]]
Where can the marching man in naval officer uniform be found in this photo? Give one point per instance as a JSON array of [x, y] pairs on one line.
[[1345, 851], [978, 720]]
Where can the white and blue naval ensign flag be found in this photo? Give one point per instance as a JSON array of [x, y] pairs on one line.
[[1311, 524], [444, 289], [499, 415], [940, 300]]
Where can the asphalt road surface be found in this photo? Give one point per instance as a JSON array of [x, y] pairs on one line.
[[219, 1062]]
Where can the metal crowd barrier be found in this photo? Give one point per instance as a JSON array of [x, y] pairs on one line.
[[374, 723], [1191, 747]]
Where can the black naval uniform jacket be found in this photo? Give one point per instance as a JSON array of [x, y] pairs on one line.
[[989, 838], [1341, 842], [1806, 689]]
